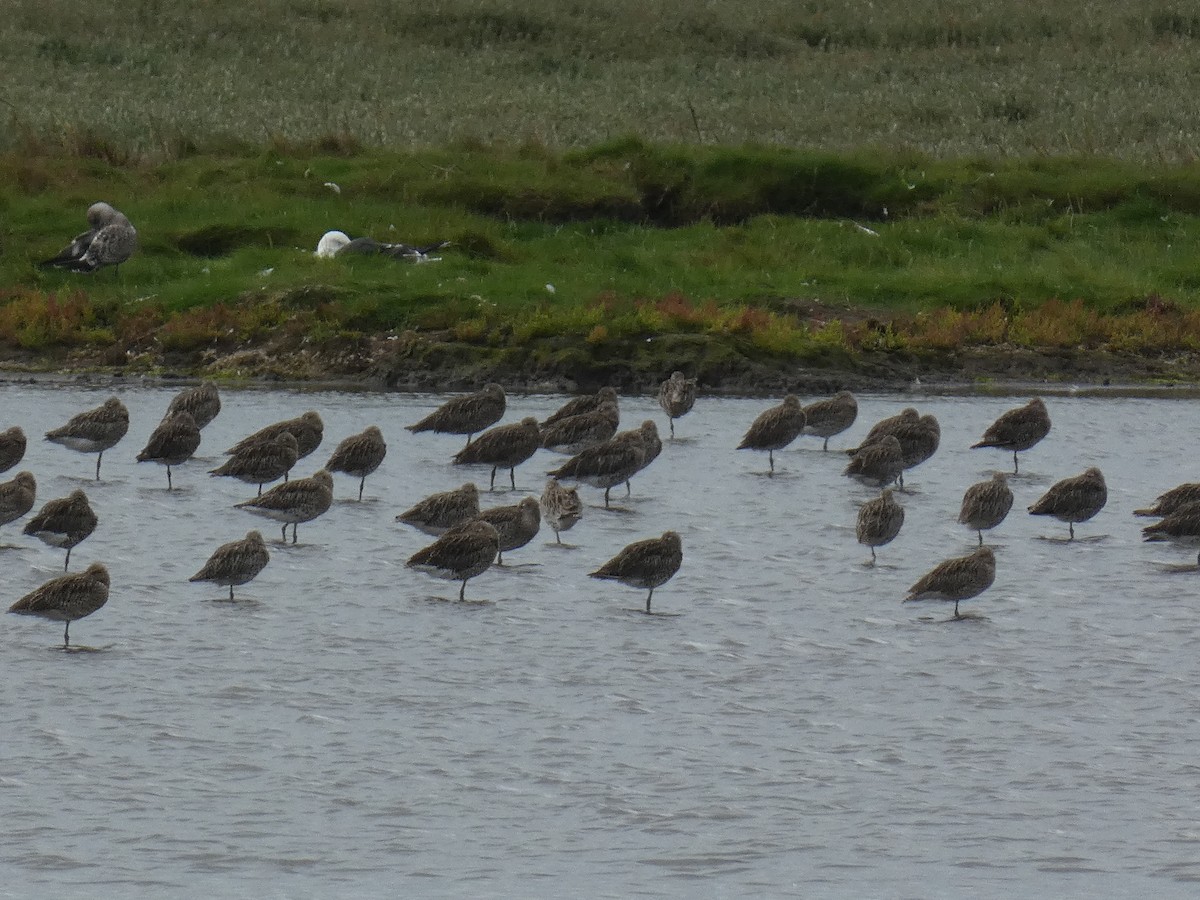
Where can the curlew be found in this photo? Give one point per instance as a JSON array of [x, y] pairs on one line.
[[825, 418], [1182, 526], [1174, 499], [575, 433], [296, 501], [879, 521], [95, 430], [1074, 500], [561, 507], [12, 447], [645, 564], [65, 522], [469, 414], [359, 455], [307, 429], [957, 579], [67, 598], [201, 402], [1018, 429], [172, 443], [884, 427], [464, 551], [237, 562], [919, 440], [677, 396], [775, 428], [515, 525], [880, 463], [577, 406], [648, 433], [986, 504], [109, 241], [263, 462], [503, 447], [438, 513], [606, 465], [17, 497]]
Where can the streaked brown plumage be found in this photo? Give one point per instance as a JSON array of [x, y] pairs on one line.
[[95, 430], [919, 440], [775, 428], [1174, 499], [879, 521], [201, 402], [12, 447], [606, 465], [17, 497], [1074, 500], [67, 598], [825, 418], [438, 513], [263, 462], [503, 447], [884, 427], [299, 500], [986, 504], [577, 406], [172, 442], [648, 433], [957, 579], [645, 564], [64, 522], [236, 562], [575, 433], [515, 525], [359, 455], [469, 414], [561, 507], [1182, 526], [1018, 429], [879, 463], [677, 396], [307, 429], [464, 551], [109, 241]]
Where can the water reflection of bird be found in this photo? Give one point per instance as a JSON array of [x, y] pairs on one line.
[[1073, 500], [1018, 429], [957, 579]]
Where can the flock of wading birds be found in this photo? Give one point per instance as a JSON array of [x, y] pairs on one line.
[[469, 539]]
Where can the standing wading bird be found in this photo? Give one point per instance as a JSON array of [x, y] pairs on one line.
[[561, 507], [299, 500], [464, 551], [12, 447], [648, 433], [884, 427], [677, 396], [1074, 500], [515, 525], [469, 414], [775, 428], [438, 513], [109, 241], [359, 455], [173, 442], [957, 579], [17, 497], [67, 598], [825, 418], [572, 434], [1018, 429], [503, 447], [606, 465], [1181, 527], [263, 462], [64, 522], [95, 430], [986, 504], [577, 406], [1174, 499], [919, 440], [201, 402], [880, 463], [308, 430], [645, 564], [237, 562], [879, 521]]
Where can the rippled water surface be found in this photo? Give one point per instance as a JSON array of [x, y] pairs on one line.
[[794, 731]]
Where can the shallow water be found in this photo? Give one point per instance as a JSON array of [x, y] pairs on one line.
[[795, 731]]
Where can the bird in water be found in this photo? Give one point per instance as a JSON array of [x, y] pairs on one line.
[[986, 504], [919, 440], [884, 427], [1074, 500], [65, 522], [606, 465], [299, 500], [440, 512], [1181, 526], [1174, 499], [359, 455], [263, 462], [573, 434], [586, 403], [12, 447], [237, 562], [67, 598], [515, 525], [503, 447], [468, 414], [307, 429], [95, 430], [172, 443], [677, 396], [201, 402], [17, 497], [645, 564], [957, 579], [464, 551], [561, 507], [109, 241], [879, 521], [880, 463], [826, 418], [1018, 429], [775, 428]]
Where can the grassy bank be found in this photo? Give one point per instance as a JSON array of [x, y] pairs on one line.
[[622, 254]]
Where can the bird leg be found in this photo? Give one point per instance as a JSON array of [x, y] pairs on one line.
[[67, 564], [628, 490], [648, 596], [98, 458], [284, 538], [980, 536], [361, 482], [231, 593], [771, 461], [260, 487], [462, 591], [558, 540], [1071, 526], [67, 635], [1016, 465], [672, 421], [873, 560], [956, 615], [169, 485], [492, 484], [606, 490], [826, 447], [293, 531], [512, 477]]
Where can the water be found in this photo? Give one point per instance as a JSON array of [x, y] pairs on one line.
[[795, 731]]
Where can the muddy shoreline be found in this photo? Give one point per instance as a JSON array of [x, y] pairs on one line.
[[436, 362]]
